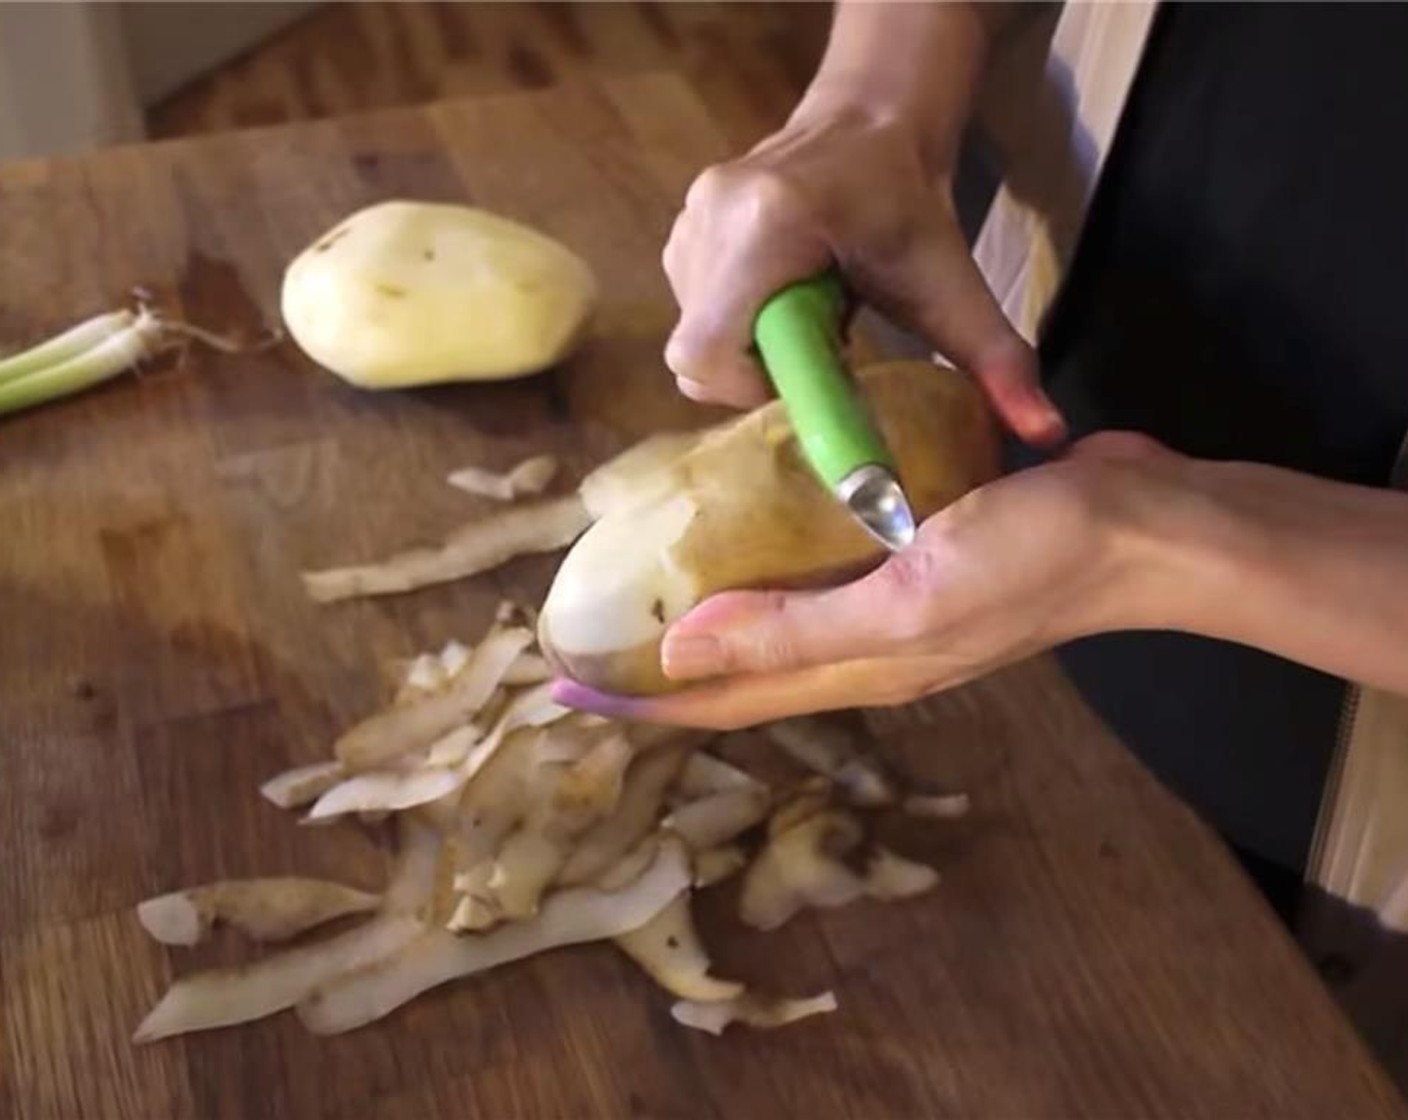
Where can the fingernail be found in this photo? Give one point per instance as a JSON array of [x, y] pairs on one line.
[[1053, 433], [690, 656], [1041, 403], [580, 698], [1048, 419]]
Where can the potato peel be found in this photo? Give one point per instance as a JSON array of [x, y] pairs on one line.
[[567, 800], [567, 918], [528, 668], [534, 707], [798, 870], [828, 750], [704, 774], [472, 914], [634, 817], [499, 797], [412, 885], [223, 997], [720, 817], [525, 479], [714, 865], [474, 909], [429, 673], [806, 800], [264, 909], [386, 791], [630, 866], [802, 868], [478, 547], [750, 1010], [889, 878], [402, 730], [668, 948], [302, 784], [590, 787], [421, 676], [936, 807], [523, 870]]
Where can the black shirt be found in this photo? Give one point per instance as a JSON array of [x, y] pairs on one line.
[[1240, 294]]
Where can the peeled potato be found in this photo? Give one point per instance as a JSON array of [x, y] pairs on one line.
[[742, 509], [414, 293]]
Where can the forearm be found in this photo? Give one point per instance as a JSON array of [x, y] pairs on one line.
[[919, 64], [1311, 570]]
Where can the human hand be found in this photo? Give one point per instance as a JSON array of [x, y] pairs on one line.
[[1027, 562], [857, 188]]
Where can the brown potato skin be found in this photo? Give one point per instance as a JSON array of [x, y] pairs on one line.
[[766, 521]]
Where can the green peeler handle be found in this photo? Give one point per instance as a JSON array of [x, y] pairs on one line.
[[798, 334]]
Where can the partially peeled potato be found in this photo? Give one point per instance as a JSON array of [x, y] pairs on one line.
[[740, 508]]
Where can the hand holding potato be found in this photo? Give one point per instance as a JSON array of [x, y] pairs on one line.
[[1013, 568], [739, 507]]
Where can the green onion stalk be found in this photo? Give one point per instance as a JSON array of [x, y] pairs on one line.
[[96, 350]]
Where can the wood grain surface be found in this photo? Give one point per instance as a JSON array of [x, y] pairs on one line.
[[1091, 951], [748, 62]]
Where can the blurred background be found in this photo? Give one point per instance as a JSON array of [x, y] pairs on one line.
[[82, 75]]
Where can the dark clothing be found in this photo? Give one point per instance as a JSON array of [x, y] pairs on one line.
[[1240, 294]]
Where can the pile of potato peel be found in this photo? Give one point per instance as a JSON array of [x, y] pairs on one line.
[[521, 826]]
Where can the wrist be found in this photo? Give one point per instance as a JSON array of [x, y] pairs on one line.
[[1191, 558], [1301, 567], [911, 67], [863, 98], [1168, 554], [846, 113]]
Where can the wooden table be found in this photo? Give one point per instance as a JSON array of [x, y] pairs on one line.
[[1091, 952]]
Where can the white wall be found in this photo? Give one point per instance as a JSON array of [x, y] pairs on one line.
[[65, 83], [171, 43], [77, 75]]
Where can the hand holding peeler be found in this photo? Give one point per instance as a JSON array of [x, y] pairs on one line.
[[798, 336]]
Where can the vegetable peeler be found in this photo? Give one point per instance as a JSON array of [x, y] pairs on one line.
[[798, 336]]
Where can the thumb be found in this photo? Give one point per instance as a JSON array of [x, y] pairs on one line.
[[934, 284], [773, 631]]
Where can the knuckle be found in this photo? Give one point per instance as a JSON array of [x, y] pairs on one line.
[[708, 371], [748, 199], [708, 186], [670, 254], [761, 194], [767, 653], [676, 255], [683, 356], [773, 198]]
